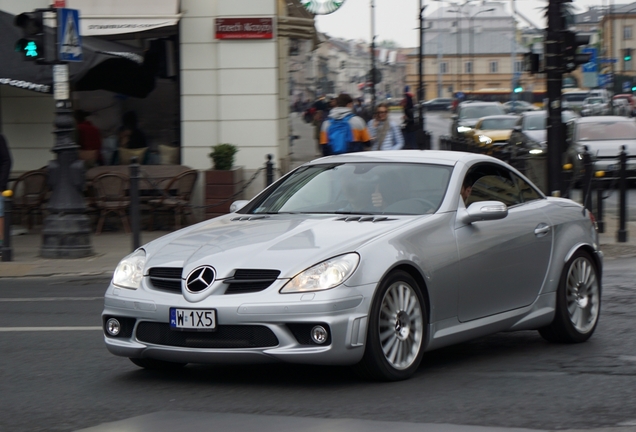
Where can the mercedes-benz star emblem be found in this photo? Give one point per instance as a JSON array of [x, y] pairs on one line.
[[199, 279]]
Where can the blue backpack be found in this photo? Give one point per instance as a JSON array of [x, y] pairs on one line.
[[339, 134]]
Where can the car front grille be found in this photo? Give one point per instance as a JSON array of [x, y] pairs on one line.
[[225, 336], [166, 278], [243, 281], [250, 280]]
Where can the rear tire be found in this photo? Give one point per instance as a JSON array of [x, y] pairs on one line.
[[397, 329], [158, 365], [578, 305]]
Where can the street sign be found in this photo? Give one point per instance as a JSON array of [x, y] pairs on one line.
[[589, 67], [590, 79], [627, 86], [608, 60], [69, 39], [593, 52], [605, 79]]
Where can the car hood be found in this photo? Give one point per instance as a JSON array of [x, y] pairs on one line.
[[539, 135], [467, 122], [495, 134], [289, 243], [608, 148]]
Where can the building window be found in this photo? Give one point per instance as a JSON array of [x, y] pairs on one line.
[[627, 32], [518, 66], [468, 67], [443, 68], [493, 67], [454, 24]]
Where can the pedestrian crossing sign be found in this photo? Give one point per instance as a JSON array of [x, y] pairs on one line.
[[69, 39]]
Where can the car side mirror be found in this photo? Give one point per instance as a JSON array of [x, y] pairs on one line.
[[237, 205], [484, 211], [454, 116]]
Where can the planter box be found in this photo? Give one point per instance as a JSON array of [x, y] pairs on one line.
[[220, 186]]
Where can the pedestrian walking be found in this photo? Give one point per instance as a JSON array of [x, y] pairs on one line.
[[343, 131], [408, 126], [5, 169], [385, 135]]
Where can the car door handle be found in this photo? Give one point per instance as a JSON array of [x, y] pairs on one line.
[[541, 230]]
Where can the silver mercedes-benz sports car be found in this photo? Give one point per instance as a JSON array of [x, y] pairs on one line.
[[367, 259]]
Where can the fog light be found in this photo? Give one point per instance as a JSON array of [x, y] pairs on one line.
[[319, 335], [113, 327]]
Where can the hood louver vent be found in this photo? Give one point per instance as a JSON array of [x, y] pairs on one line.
[[364, 219], [249, 218]]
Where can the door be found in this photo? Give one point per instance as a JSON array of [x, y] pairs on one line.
[[503, 263]]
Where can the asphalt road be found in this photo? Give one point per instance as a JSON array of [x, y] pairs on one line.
[[56, 375]]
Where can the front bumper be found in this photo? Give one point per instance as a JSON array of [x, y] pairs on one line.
[[241, 318]]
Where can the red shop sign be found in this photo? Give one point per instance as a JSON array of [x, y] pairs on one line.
[[244, 28]]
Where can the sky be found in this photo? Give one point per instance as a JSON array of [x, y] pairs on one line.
[[397, 20]]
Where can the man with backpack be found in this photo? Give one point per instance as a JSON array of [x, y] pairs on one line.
[[343, 131]]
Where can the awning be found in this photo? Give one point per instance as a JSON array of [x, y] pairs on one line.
[[106, 65], [114, 17]]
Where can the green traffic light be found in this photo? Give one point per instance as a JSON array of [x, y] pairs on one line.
[[633, 89], [627, 58], [29, 48], [518, 89]]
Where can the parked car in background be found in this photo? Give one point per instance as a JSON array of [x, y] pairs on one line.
[[603, 137], [469, 112], [631, 101], [318, 269], [574, 99], [438, 104], [621, 107], [493, 132], [595, 106], [519, 106]]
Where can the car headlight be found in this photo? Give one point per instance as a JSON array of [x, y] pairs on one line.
[[323, 276], [463, 129], [536, 151], [130, 270], [484, 139]]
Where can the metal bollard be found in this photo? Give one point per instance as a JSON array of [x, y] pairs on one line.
[[134, 203], [7, 251], [588, 166], [600, 223], [269, 169], [621, 234]]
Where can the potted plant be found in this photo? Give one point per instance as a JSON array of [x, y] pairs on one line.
[[223, 156], [224, 181]]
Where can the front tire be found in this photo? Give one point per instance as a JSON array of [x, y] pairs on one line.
[[578, 302], [396, 334]]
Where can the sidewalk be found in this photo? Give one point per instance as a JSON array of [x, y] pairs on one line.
[[110, 247]]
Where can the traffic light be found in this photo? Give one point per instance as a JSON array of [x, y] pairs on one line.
[[627, 54], [570, 42], [518, 88], [531, 62], [31, 45]]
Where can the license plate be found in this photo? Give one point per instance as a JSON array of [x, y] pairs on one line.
[[193, 319]]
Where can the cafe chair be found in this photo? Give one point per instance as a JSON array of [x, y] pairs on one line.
[[29, 194], [175, 198], [111, 197]]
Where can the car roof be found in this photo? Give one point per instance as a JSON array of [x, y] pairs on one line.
[[473, 103], [500, 117], [534, 113], [437, 157]]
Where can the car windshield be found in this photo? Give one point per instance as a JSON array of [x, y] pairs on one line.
[[535, 122], [480, 111], [359, 188], [606, 130], [494, 124], [574, 97], [595, 100]]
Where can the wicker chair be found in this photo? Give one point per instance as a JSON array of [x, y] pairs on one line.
[[176, 197], [110, 197], [29, 194]]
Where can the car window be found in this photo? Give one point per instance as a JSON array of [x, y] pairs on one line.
[[536, 122], [606, 130], [574, 97], [493, 183], [359, 188], [480, 111], [495, 124], [526, 191]]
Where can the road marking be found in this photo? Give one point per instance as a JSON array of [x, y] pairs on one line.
[[34, 329], [48, 299]]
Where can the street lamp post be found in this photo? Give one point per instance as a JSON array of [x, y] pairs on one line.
[[472, 46], [420, 87], [372, 55]]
